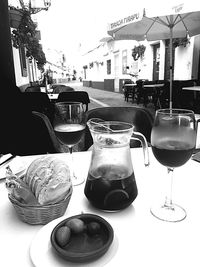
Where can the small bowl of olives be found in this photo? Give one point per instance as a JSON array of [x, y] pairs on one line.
[[82, 238]]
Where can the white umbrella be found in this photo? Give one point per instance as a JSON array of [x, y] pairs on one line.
[[170, 22]]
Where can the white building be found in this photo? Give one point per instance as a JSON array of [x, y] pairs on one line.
[[107, 65]]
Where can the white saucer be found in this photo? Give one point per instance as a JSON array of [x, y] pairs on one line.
[[42, 253], [16, 165]]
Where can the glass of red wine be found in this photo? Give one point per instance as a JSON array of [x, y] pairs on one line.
[[173, 140], [69, 125]]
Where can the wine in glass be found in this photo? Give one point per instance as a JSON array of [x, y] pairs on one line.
[[173, 140], [69, 125]]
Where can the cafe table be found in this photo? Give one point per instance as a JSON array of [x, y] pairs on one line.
[[53, 97], [194, 88], [140, 239], [156, 87]]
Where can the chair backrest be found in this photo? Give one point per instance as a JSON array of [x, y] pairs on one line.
[[48, 141], [61, 88], [38, 101], [79, 96], [34, 135], [33, 89], [141, 118]]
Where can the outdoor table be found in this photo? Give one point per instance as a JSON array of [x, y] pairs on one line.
[[139, 238], [156, 87], [53, 97], [195, 89], [130, 84], [192, 88]]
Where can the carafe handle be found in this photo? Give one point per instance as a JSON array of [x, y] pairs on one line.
[[142, 139]]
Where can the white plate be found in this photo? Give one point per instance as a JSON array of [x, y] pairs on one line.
[[42, 253], [16, 165]]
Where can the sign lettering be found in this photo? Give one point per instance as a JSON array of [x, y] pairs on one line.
[[124, 21]]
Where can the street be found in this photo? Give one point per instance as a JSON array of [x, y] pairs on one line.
[[101, 98]]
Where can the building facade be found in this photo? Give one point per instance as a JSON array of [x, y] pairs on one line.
[[110, 63]]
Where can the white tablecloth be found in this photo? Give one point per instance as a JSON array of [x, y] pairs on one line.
[[140, 239]]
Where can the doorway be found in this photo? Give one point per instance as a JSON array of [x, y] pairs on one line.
[[156, 61]]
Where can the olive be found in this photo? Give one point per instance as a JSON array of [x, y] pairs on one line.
[[76, 225], [93, 228], [63, 235]]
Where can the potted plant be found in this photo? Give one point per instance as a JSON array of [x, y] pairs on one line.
[[138, 52], [181, 41], [26, 35]]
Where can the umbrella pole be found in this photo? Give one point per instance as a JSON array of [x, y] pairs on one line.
[[171, 70]]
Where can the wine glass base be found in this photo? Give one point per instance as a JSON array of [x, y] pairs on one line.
[[172, 213], [76, 180]]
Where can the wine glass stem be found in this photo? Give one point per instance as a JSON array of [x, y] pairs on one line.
[[168, 198], [72, 162]]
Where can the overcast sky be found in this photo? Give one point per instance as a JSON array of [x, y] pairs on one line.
[[69, 23]]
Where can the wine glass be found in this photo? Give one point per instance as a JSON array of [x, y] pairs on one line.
[[69, 125], [173, 140]]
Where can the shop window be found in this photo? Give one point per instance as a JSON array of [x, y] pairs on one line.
[[109, 66], [22, 56]]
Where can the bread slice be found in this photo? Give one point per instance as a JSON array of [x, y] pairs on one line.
[[49, 179]]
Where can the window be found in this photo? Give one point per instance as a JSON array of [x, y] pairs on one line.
[[109, 66], [22, 56], [124, 62]]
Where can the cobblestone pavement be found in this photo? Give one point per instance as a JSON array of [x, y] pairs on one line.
[[101, 98]]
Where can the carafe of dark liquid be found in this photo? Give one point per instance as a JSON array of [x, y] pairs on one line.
[[111, 181]]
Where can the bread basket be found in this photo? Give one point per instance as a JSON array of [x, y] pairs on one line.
[[41, 214]]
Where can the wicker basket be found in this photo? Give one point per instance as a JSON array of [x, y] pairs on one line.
[[40, 214]]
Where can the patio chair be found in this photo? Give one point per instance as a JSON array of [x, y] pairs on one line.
[[59, 88], [35, 88], [38, 101], [141, 118], [129, 91], [48, 134], [33, 135], [78, 96], [48, 140]]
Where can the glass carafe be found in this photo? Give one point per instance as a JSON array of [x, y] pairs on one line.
[[111, 181]]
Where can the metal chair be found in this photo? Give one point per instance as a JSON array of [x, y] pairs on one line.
[[141, 118], [59, 88], [38, 101], [33, 89], [47, 134], [129, 91], [78, 96]]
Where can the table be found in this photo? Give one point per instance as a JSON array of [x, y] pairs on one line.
[[192, 88], [195, 89], [130, 84], [140, 239], [53, 97], [156, 88]]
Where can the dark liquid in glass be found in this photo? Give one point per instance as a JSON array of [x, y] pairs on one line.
[[109, 191], [172, 153], [69, 134]]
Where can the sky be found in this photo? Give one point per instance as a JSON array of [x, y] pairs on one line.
[[69, 24]]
